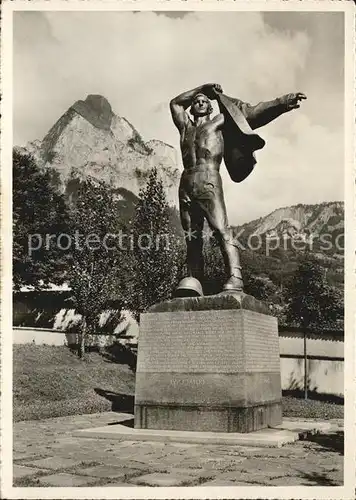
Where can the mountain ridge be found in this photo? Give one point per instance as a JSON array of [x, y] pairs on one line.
[[275, 242], [301, 219]]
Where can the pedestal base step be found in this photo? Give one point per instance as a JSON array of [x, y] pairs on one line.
[[206, 418], [123, 431]]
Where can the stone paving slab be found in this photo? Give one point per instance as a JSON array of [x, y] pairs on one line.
[[224, 482], [214, 464], [291, 481], [118, 485], [198, 472], [108, 471], [26, 457], [20, 471], [173, 478], [257, 475], [64, 479], [302, 426], [53, 463]]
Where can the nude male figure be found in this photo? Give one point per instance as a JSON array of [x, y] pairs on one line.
[[200, 191]]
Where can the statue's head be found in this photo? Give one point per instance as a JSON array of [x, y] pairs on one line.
[[201, 106]]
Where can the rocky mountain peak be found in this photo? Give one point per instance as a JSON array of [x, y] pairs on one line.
[[97, 110], [90, 140]]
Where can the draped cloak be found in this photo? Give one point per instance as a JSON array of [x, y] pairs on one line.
[[240, 140]]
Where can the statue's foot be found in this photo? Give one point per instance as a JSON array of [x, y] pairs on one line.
[[234, 283]]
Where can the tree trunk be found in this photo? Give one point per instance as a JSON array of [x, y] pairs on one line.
[[81, 346], [305, 366]]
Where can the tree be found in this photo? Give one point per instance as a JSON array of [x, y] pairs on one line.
[[156, 249], [40, 215], [99, 266], [312, 302], [261, 287]]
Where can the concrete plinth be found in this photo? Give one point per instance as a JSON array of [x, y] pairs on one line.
[[208, 364]]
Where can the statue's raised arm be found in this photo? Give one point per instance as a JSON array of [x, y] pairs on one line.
[[179, 104]]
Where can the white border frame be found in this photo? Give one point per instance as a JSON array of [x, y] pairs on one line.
[[197, 492]]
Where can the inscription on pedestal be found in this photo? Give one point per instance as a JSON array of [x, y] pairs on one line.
[[208, 342], [261, 342], [190, 341]]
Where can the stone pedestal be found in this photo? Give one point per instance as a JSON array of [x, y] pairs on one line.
[[208, 364]]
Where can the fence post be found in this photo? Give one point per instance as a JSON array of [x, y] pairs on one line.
[[305, 366]]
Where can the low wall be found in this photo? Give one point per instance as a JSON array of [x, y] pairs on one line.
[[325, 361], [35, 313], [324, 376], [325, 355], [45, 336], [40, 336]]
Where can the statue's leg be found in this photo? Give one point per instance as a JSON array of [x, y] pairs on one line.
[[192, 220], [213, 205]]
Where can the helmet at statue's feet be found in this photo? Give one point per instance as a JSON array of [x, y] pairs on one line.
[[234, 283], [189, 287]]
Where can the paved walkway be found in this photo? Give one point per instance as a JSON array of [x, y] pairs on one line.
[[46, 454]]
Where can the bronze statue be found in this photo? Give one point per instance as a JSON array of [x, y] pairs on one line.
[[205, 141]]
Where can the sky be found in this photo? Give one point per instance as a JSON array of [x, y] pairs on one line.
[[140, 60]]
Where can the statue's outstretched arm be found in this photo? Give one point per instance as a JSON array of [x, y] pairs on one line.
[[264, 112]]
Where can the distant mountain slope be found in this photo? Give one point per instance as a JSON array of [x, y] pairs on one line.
[[274, 242], [302, 220]]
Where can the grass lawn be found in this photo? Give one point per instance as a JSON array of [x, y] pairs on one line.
[[51, 381], [297, 407]]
